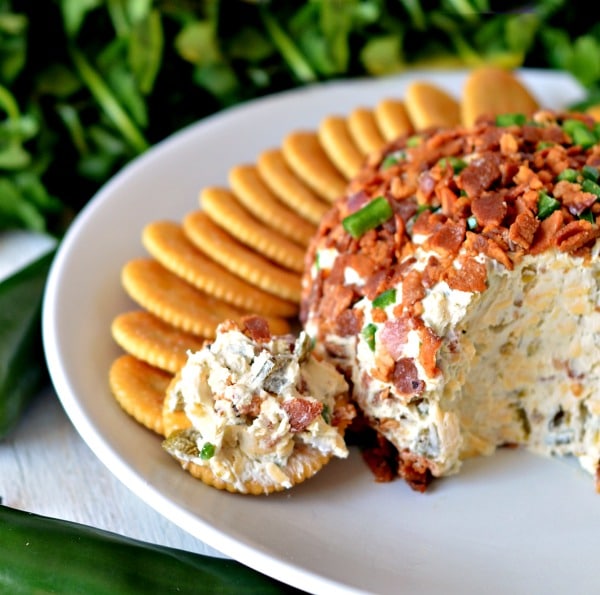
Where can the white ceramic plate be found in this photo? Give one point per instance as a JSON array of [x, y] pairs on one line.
[[510, 523]]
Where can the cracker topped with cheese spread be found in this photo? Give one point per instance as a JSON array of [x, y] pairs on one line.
[[255, 413]]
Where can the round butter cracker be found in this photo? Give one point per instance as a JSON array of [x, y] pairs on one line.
[[225, 210], [169, 245], [140, 390], [428, 105], [392, 119], [364, 130], [150, 339], [339, 146], [239, 260], [304, 154], [288, 187], [251, 190], [490, 91], [178, 303]]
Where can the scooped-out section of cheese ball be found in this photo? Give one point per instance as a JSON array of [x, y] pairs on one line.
[[255, 413], [457, 285]]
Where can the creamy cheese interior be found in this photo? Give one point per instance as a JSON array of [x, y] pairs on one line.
[[250, 404], [519, 364]]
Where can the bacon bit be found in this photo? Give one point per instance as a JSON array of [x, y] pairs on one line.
[[414, 470], [360, 262], [493, 242], [401, 190], [379, 315], [412, 288], [349, 323], [526, 177], [489, 208], [301, 413], [252, 409], [343, 415], [430, 344], [381, 457], [449, 238], [556, 159], [357, 201], [530, 198], [256, 328], [508, 144], [573, 197], [336, 298], [405, 377], [522, 231], [425, 188], [428, 222], [547, 230], [447, 199], [470, 277], [433, 272], [394, 334], [480, 174], [576, 235]]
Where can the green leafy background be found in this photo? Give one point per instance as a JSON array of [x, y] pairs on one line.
[[87, 85]]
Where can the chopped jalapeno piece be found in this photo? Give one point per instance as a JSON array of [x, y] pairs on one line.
[[372, 215], [208, 451], [510, 119], [392, 159], [326, 414], [544, 144], [546, 204], [456, 163], [587, 215], [590, 186], [472, 222], [580, 133], [368, 334], [385, 298], [568, 174], [413, 141], [590, 173]]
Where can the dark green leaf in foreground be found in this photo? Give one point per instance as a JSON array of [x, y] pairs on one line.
[[21, 361], [47, 555]]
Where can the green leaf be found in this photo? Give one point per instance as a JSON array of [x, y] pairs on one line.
[[59, 81], [13, 41], [197, 43], [145, 50], [74, 13], [585, 59], [16, 211], [290, 53], [417, 14], [520, 31], [383, 55], [218, 79], [108, 102], [251, 45], [21, 360]]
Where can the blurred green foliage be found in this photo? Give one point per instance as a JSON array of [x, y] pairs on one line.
[[87, 85]]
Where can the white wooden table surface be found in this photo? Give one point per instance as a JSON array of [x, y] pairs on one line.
[[46, 468]]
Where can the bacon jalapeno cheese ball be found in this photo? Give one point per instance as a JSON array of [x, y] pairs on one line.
[[457, 285], [255, 413]]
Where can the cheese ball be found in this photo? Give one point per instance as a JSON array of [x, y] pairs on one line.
[[457, 285]]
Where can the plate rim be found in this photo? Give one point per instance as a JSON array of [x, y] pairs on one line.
[[263, 562]]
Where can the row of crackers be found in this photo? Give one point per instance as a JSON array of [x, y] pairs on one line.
[[241, 250]]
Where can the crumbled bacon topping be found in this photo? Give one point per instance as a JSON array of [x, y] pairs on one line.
[[459, 196], [301, 413]]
